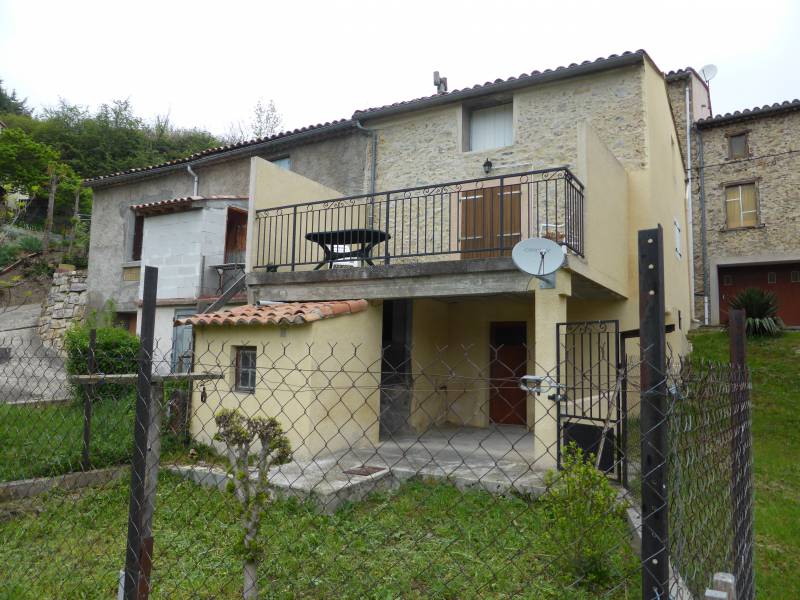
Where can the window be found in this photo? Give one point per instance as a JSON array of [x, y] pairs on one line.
[[727, 280], [737, 146], [245, 369], [676, 229], [138, 233], [284, 163], [772, 277], [491, 127], [794, 277], [741, 206]]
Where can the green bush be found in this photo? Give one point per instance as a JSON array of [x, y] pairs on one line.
[[30, 244], [587, 532], [115, 352], [8, 254], [761, 311]]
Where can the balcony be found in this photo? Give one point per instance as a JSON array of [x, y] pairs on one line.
[[476, 218]]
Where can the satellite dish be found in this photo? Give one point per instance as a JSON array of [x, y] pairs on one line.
[[538, 256], [708, 72]]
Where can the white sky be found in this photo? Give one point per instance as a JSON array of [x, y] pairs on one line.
[[206, 63]]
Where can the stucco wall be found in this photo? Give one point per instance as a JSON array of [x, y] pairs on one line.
[[337, 162], [776, 172], [325, 397]]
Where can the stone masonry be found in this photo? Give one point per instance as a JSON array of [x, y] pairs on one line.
[[65, 304], [773, 163]]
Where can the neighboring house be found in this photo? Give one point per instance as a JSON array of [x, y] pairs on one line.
[[586, 155], [198, 245], [749, 208]]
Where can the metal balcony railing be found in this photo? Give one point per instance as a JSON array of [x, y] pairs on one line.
[[475, 218]]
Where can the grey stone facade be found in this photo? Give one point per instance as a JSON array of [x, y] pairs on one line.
[[338, 162], [773, 164]]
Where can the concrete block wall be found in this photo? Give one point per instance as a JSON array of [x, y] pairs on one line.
[[174, 244]]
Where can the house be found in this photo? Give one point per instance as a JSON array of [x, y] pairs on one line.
[[748, 186], [332, 153], [585, 155]]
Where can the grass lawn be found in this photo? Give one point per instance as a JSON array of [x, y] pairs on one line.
[[427, 540], [775, 370]]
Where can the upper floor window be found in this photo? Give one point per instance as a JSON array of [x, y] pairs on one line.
[[491, 127], [737, 146], [245, 373], [283, 163], [741, 205]]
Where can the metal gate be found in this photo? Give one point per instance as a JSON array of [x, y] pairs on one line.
[[590, 399]]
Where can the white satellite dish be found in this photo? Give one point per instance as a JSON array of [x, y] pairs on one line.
[[538, 256], [708, 72]]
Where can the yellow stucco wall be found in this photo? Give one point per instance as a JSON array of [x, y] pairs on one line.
[[319, 379], [272, 187]]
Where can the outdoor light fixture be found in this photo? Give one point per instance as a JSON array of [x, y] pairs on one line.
[[487, 166]]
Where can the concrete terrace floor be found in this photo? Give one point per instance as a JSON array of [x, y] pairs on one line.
[[498, 459]]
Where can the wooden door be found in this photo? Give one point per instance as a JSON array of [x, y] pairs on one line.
[[509, 362], [235, 235], [490, 221]]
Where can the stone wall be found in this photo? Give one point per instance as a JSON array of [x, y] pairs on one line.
[[65, 304], [774, 165]]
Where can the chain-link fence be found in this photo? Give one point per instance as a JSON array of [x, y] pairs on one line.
[[297, 468]]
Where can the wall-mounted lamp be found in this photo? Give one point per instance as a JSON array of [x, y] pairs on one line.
[[487, 166]]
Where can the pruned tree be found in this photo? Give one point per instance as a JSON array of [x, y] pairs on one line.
[[240, 435]]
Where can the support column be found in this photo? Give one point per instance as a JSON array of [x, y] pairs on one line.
[[550, 307]]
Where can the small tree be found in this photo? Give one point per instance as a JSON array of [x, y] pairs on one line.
[[239, 435], [761, 311]]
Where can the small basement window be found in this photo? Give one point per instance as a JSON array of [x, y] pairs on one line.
[[245, 370], [737, 146], [491, 127]]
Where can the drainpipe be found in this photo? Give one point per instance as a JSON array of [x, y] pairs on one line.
[[689, 207], [196, 178], [373, 169], [703, 233]]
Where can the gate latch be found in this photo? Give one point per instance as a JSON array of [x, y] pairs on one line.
[[539, 384]]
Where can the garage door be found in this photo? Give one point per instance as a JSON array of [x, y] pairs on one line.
[[783, 279]]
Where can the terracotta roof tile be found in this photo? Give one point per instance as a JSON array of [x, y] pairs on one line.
[[289, 313], [750, 113], [178, 203]]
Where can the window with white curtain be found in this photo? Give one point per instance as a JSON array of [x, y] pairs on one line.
[[491, 127]]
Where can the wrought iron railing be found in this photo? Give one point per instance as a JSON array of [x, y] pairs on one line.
[[475, 218]]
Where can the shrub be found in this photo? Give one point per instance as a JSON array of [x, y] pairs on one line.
[[115, 352], [586, 531], [8, 254], [30, 244], [761, 311]]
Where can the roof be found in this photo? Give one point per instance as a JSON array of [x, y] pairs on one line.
[[767, 110], [177, 204], [303, 134], [289, 313], [501, 85], [248, 148]]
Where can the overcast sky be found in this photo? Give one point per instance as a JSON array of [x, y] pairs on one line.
[[206, 63]]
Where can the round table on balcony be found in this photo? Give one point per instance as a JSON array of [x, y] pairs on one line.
[[329, 241]]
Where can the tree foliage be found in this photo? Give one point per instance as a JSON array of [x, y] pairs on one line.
[[11, 104]]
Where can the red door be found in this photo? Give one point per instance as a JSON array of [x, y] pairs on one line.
[[783, 279], [509, 362]]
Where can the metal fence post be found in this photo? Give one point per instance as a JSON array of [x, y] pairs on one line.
[[741, 447], [133, 550], [655, 554], [88, 398]]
